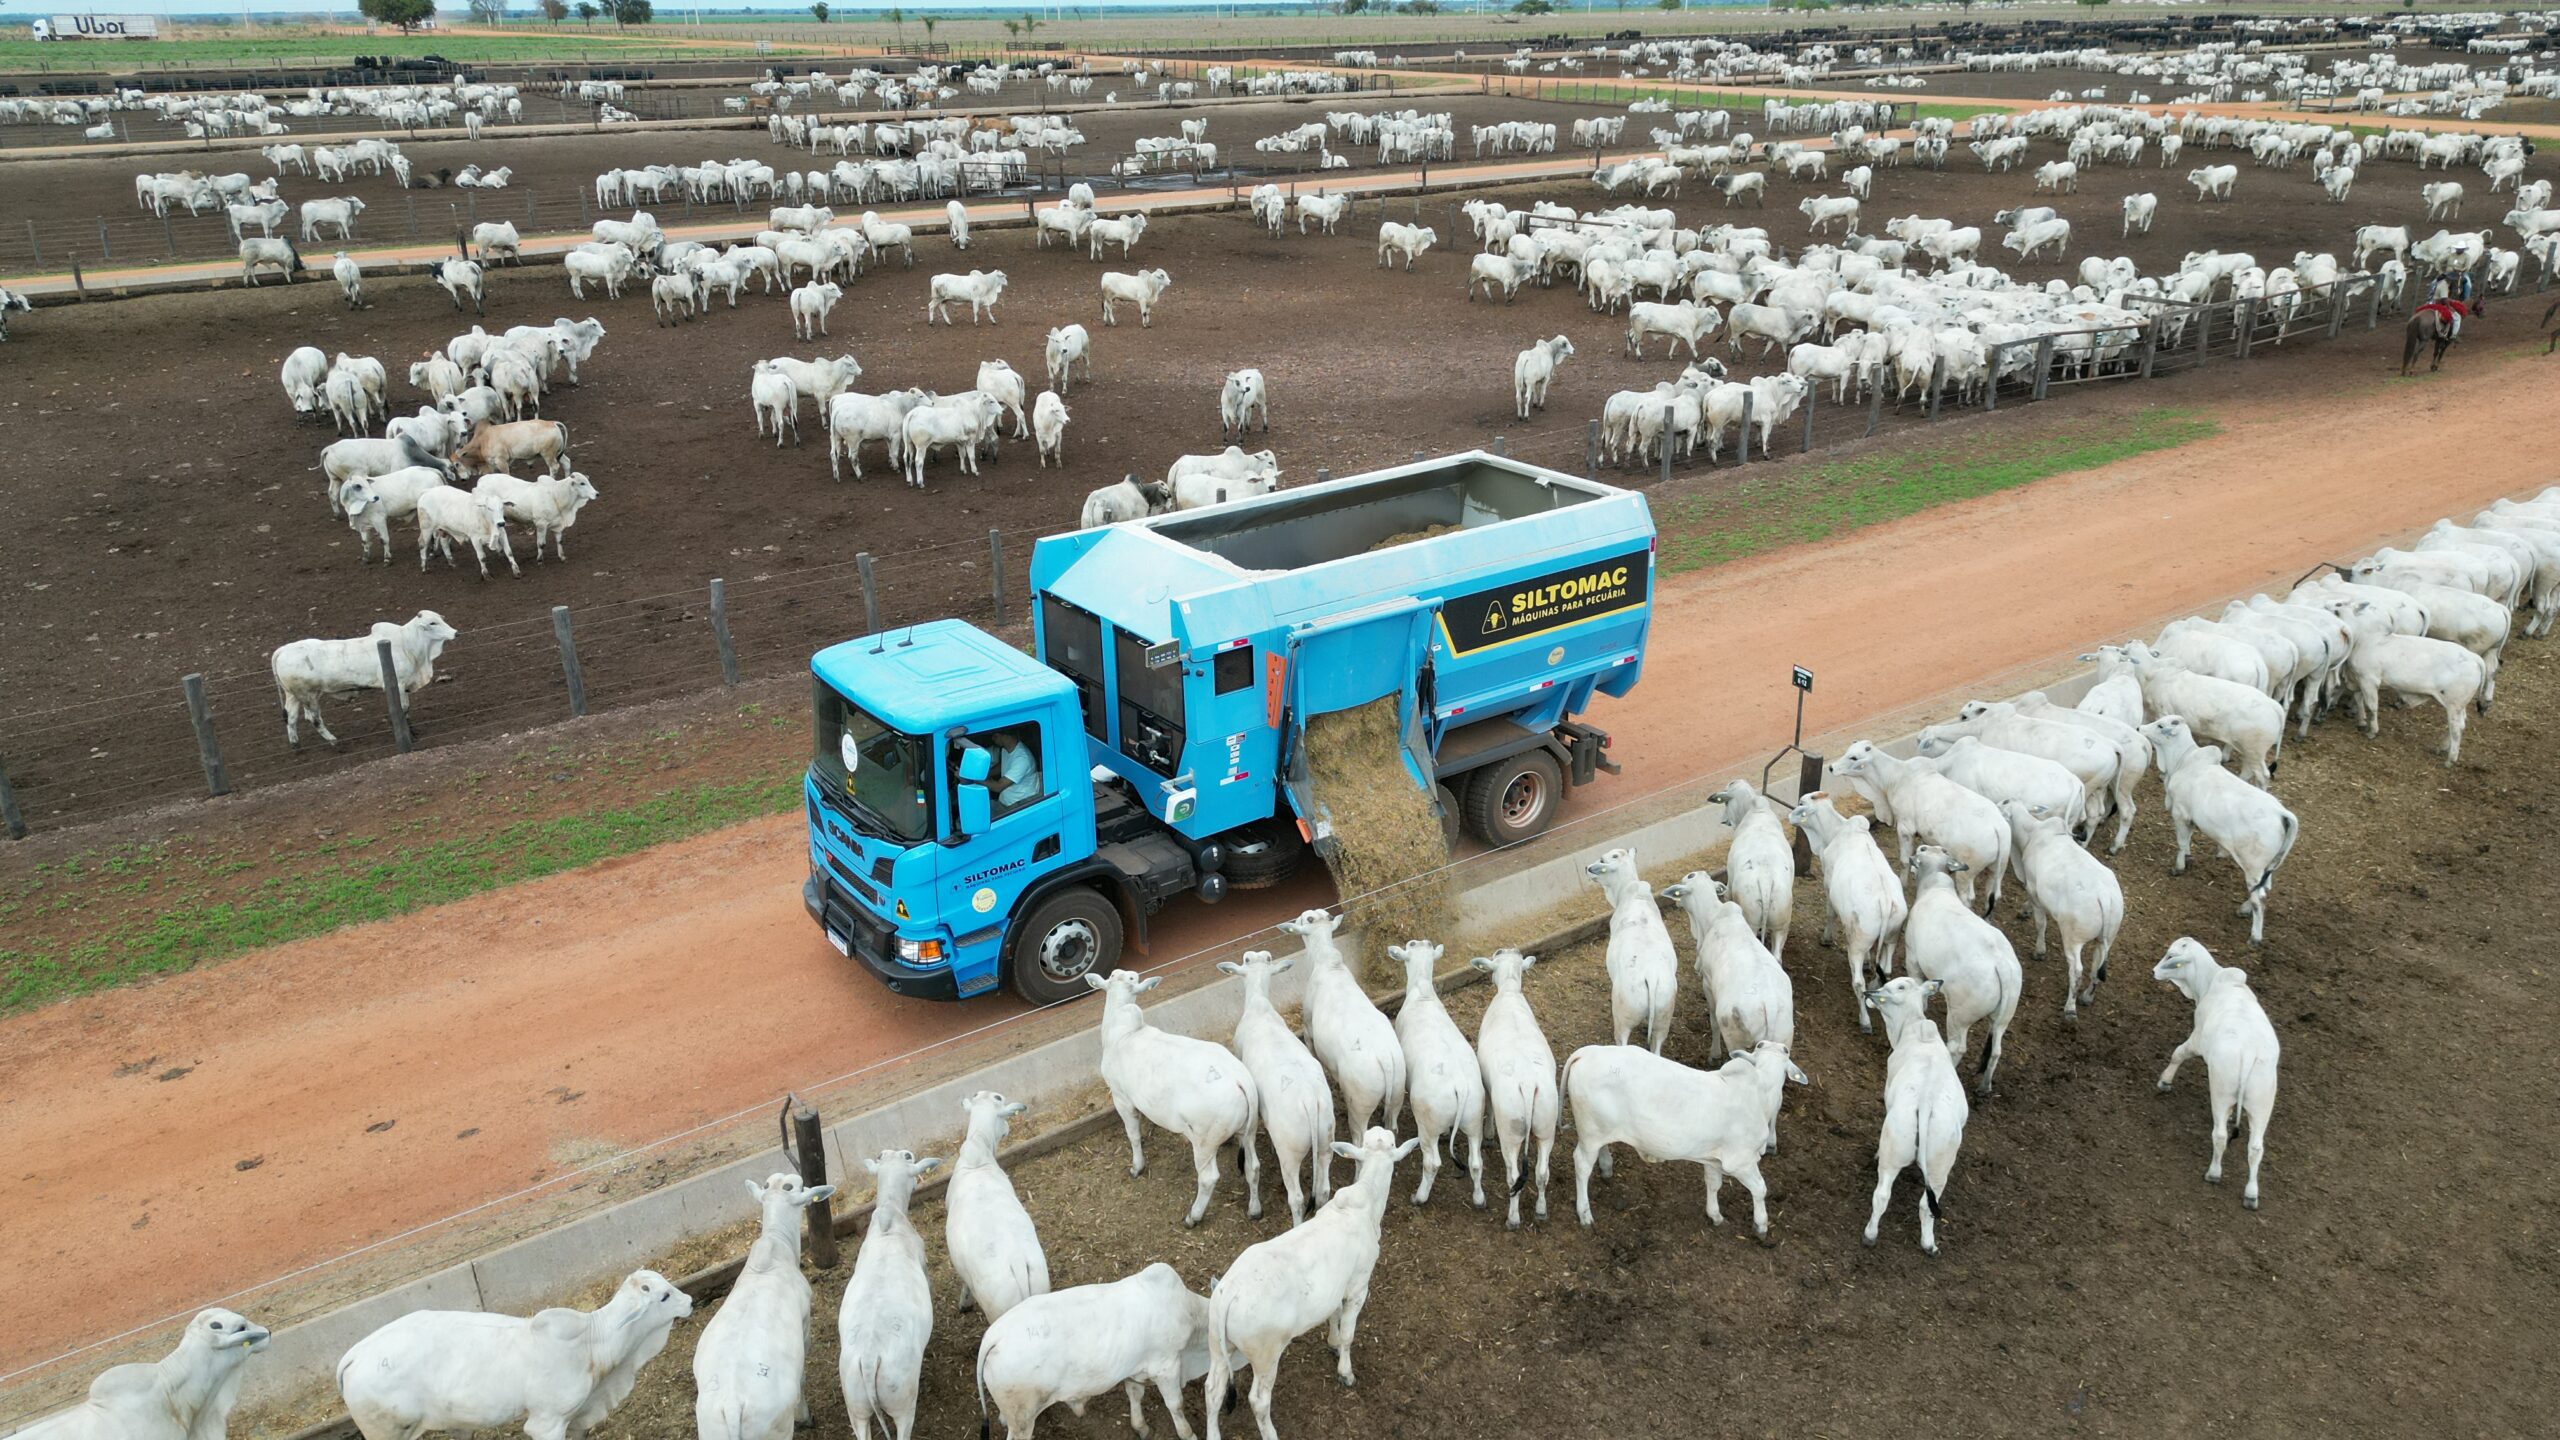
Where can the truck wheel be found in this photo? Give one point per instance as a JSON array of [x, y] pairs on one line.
[[1452, 819], [1512, 800], [1068, 936], [1262, 854]]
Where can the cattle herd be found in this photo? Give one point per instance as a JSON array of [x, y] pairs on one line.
[[2022, 791], [2022, 788]]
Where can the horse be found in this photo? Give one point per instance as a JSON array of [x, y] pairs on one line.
[[2440, 319], [2435, 321]]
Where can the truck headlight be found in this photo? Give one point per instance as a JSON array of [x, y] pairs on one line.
[[918, 952]]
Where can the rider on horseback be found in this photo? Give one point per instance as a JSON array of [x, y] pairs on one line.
[[2450, 298]]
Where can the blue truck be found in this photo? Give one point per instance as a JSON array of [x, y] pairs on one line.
[[980, 817]]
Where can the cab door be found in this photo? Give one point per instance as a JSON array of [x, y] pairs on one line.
[[980, 878]]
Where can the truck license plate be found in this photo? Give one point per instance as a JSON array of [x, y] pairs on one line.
[[843, 946]]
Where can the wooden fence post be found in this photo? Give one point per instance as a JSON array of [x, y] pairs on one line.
[[393, 700], [2337, 308], [1501, 446], [1937, 385], [720, 632], [1875, 399], [2248, 325], [2373, 309], [1591, 451], [870, 595], [810, 1141], [995, 567], [569, 660], [216, 780], [10, 817], [2150, 345], [1991, 390], [1667, 414], [2044, 365], [1742, 453], [1812, 398]]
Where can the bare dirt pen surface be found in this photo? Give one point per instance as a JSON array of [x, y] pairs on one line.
[[2398, 1279], [177, 527]]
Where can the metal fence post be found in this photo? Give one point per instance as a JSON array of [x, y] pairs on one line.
[[1937, 385], [720, 632], [216, 780], [393, 699], [2044, 365], [995, 567], [870, 595], [569, 660], [1875, 399]]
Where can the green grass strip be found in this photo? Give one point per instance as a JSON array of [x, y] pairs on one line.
[[376, 882], [1833, 499]]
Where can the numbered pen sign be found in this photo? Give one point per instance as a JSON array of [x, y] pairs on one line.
[[1804, 679]]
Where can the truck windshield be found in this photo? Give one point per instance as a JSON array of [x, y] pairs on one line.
[[879, 771]]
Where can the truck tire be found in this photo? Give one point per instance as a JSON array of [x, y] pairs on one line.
[[1066, 937], [1512, 800], [1262, 854]]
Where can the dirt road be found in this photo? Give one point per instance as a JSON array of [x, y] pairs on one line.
[[304, 1101]]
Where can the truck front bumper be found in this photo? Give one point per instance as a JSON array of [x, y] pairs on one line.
[[853, 930]]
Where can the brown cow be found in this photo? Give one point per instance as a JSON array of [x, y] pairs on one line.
[[495, 447]]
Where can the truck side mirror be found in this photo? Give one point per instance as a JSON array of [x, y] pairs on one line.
[[969, 789]]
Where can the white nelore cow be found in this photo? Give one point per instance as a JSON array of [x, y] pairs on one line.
[[2239, 1047], [306, 671], [1409, 241], [1924, 1104], [1722, 1119], [558, 1373], [749, 1361], [1347, 1030], [1196, 1088], [1316, 1274], [1142, 289], [1533, 370], [1644, 978], [1442, 1077], [1198, 480], [980, 288], [1075, 1345], [186, 1394], [886, 1319], [994, 1246]]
